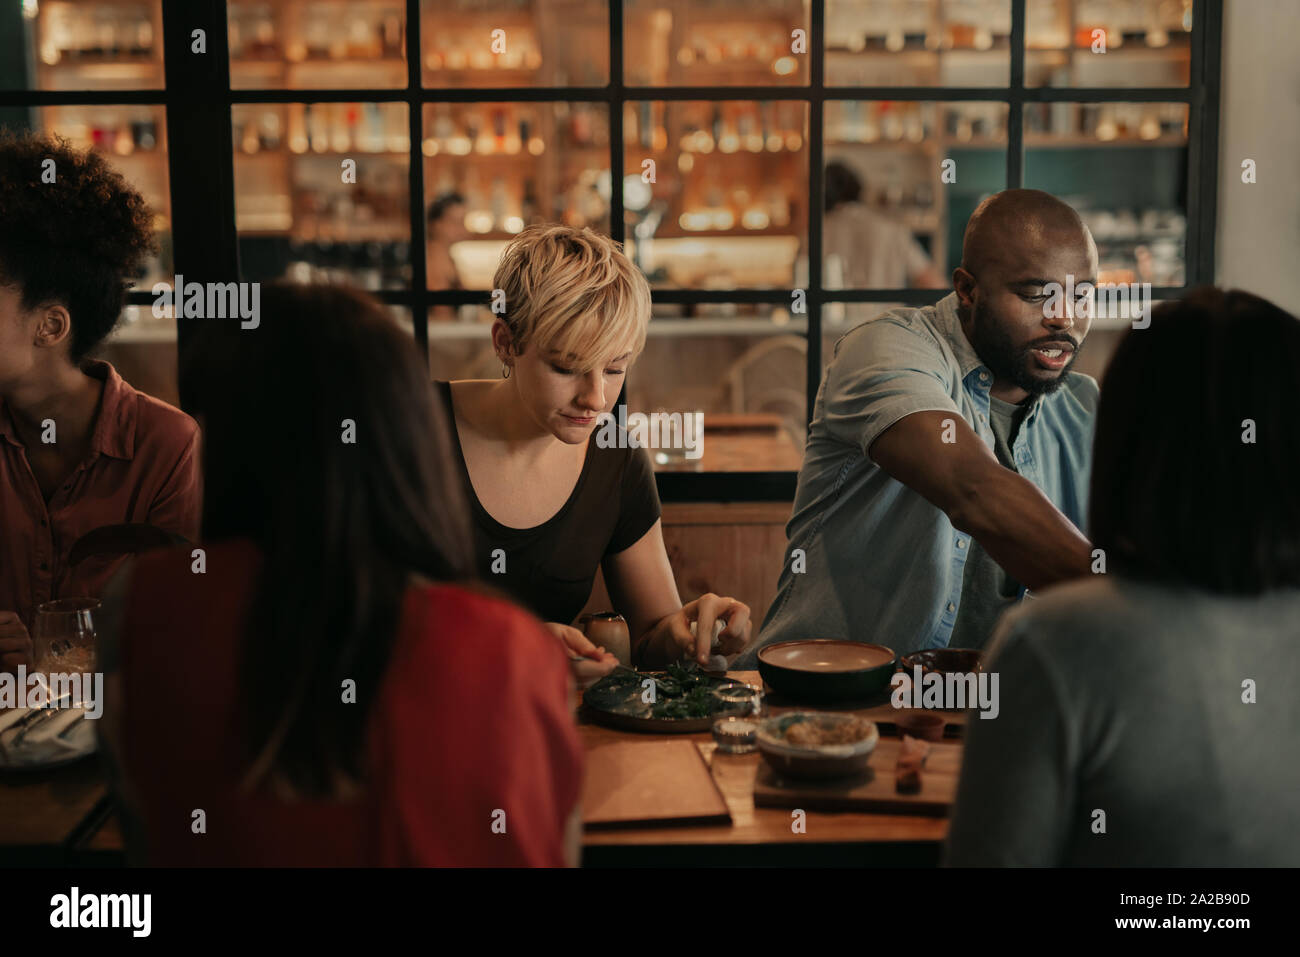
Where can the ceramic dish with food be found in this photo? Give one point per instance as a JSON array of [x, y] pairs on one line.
[[684, 700], [944, 661], [817, 744], [826, 669]]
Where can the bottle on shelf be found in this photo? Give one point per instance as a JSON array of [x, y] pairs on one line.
[[392, 33], [530, 207], [498, 204], [645, 124]]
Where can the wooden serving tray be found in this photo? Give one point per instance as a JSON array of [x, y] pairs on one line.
[[650, 783], [871, 791]]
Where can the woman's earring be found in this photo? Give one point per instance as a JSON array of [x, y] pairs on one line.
[[505, 371]]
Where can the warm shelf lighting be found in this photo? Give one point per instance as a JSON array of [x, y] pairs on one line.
[[479, 221]]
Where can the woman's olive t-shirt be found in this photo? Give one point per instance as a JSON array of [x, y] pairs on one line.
[[551, 567]]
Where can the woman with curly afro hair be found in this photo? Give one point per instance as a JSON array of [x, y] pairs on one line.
[[79, 448]]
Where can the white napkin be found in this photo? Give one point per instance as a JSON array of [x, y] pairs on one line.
[[716, 662], [50, 729]]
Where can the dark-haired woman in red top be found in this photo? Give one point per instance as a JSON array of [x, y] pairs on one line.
[[311, 690]]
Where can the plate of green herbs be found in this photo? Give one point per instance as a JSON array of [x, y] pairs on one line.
[[682, 699]]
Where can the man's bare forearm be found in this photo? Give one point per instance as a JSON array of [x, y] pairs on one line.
[[1021, 529], [1006, 513]]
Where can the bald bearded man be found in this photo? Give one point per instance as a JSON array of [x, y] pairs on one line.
[[947, 464]]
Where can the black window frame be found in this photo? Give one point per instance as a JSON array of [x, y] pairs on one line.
[[199, 99]]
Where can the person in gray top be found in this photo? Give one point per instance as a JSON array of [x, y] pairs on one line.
[[947, 462], [1149, 716]]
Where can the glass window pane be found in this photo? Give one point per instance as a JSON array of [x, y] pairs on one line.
[[460, 346], [317, 44], [918, 42], [495, 43], [134, 141], [1123, 166], [902, 178], [1108, 43], [143, 351], [490, 169], [299, 209], [715, 192], [61, 45], [402, 316], [728, 43], [743, 366]]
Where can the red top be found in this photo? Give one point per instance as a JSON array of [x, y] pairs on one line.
[[473, 755], [142, 467]]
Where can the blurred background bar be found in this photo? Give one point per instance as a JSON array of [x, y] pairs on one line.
[[918, 42], [510, 114], [67, 45], [297, 217], [503, 43], [317, 44], [678, 43], [1147, 43]]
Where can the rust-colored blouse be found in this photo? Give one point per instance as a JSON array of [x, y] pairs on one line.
[[142, 467]]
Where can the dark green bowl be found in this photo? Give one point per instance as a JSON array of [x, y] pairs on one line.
[[827, 669]]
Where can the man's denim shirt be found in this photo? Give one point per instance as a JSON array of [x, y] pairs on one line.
[[876, 561]]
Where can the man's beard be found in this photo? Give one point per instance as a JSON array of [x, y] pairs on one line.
[[1013, 363]]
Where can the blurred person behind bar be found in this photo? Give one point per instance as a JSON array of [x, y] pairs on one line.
[[79, 448], [325, 690], [446, 227], [873, 251]]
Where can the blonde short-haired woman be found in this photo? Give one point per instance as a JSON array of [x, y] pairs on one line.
[[551, 505]]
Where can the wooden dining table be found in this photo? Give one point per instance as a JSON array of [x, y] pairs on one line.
[[49, 816], [759, 836], [65, 816]]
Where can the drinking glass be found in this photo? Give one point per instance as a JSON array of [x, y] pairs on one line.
[[735, 730], [63, 636]]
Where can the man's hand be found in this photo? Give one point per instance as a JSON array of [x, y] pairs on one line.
[[15, 643]]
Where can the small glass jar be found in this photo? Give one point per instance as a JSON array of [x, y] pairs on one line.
[[735, 730]]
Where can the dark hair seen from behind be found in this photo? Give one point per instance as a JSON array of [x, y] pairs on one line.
[[1197, 448], [342, 524]]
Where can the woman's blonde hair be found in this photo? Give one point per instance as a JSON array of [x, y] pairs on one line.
[[574, 292]]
